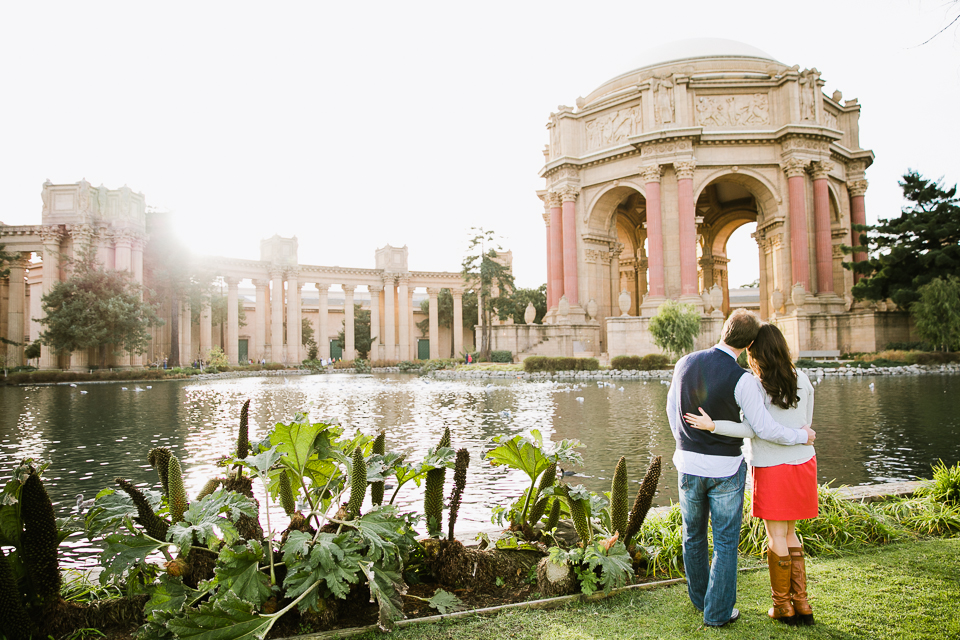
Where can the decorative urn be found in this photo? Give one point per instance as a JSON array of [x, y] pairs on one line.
[[530, 313], [592, 309], [624, 302], [707, 301], [798, 295], [776, 299], [716, 296], [563, 307]]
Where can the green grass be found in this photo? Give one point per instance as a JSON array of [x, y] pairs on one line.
[[898, 591]]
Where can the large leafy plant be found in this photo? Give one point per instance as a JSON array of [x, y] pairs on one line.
[[528, 453]]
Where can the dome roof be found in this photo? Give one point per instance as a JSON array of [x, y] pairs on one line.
[[697, 48], [713, 51]]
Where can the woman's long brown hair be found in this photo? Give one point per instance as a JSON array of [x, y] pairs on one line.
[[769, 359]]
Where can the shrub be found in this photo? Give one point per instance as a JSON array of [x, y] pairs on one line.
[[273, 366], [945, 486], [383, 364], [627, 363], [409, 365], [648, 362], [439, 363], [361, 365], [935, 357], [501, 356], [909, 346], [534, 364], [653, 361], [675, 327]]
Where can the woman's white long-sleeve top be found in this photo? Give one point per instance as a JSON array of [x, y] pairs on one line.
[[763, 453]]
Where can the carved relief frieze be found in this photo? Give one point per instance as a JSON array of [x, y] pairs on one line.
[[614, 127], [667, 148], [830, 120], [593, 255], [798, 143], [733, 111]]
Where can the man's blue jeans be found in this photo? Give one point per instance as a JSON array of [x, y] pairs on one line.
[[712, 588]]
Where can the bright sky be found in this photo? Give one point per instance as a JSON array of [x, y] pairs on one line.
[[354, 125]]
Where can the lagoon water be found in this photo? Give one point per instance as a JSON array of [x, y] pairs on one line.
[[894, 431]]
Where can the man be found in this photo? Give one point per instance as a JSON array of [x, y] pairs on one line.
[[711, 467]]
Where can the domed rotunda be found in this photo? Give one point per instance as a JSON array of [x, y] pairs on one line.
[[650, 174]]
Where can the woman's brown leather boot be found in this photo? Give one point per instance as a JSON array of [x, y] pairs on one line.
[[780, 569], [798, 587]]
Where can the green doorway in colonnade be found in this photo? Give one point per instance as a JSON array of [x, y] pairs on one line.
[[423, 348], [336, 351], [244, 354]]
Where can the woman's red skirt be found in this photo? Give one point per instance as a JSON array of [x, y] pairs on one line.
[[786, 491]]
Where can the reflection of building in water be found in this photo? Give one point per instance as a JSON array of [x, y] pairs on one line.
[[277, 292], [651, 173]]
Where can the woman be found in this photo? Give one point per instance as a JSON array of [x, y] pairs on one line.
[[784, 477]]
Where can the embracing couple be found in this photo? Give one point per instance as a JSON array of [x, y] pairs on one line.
[[713, 406]]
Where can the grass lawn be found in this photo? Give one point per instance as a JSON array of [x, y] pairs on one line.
[[902, 591]]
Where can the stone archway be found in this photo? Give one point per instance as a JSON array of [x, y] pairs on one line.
[[725, 202]]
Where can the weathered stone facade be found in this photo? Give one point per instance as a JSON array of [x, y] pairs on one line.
[[650, 174], [113, 224]]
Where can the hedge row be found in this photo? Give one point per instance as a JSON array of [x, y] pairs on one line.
[[649, 362], [534, 364], [501, 356]]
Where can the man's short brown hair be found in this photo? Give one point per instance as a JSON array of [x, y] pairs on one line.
[[740, 329]]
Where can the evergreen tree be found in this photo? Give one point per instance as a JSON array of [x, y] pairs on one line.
[[675, 327], [937, 313], [909, 251]]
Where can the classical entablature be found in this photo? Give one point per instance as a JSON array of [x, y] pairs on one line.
[[650, 173], [112, 223]]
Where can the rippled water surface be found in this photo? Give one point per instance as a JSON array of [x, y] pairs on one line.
[[893, 432]]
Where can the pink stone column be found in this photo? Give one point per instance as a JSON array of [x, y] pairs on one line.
[[858, 215], [821, 220], [688, 229], [555, 281], [796, 188], [651, 177], [233, 320], [570, 284]]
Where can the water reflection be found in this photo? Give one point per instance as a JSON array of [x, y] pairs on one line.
[[894, 431]]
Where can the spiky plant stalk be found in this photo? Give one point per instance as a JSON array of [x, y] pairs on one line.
[[212, 485], [547, 479], [377, 488], [554, 518], [243, 437], [159, 459], [177, 500], [618, 498], [39, 541], [15, 624], [578, 512], [154, 525], [286, 495], [433, 493], [358, 484], [641, 505], [459, 482]]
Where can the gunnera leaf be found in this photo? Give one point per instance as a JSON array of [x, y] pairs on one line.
[[39, 541]]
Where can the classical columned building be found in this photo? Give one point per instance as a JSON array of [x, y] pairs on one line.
[[648, 176], [112, 224]]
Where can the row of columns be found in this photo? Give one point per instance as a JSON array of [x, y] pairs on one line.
[[395, 336], [562, 247]]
